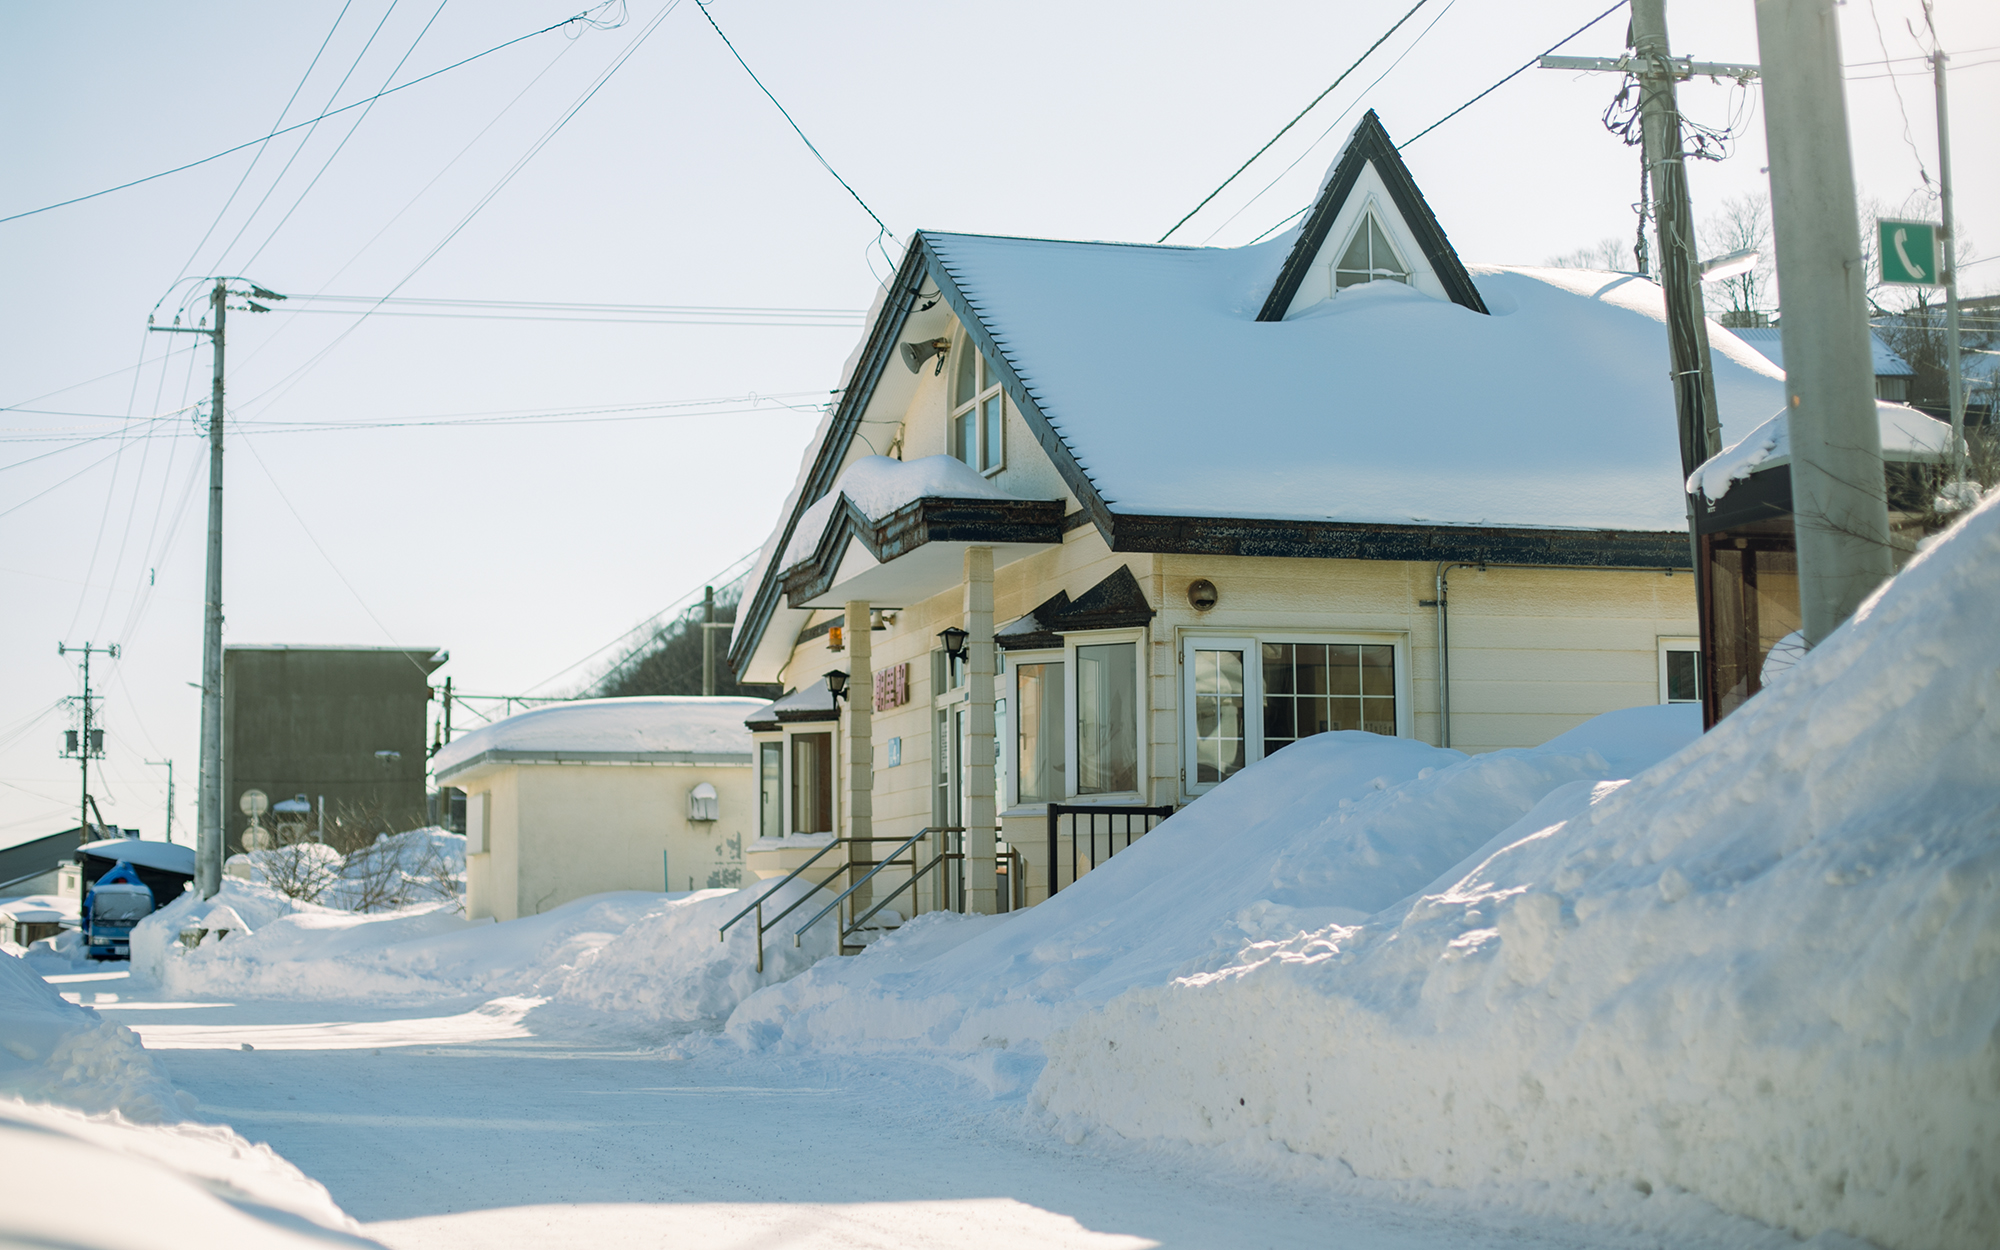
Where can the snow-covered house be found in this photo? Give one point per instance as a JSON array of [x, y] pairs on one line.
[[1190, 504], [602, 794]]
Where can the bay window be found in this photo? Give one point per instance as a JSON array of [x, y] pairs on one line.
[[1107, 718]]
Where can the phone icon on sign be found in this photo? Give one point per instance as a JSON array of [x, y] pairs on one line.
[[1909, 266]]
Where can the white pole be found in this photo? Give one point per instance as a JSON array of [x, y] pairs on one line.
[[208, 837], [1948, 244], [1839, 507]]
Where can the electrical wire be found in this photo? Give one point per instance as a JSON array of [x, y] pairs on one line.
[[342, 145], [283, 386], [1530, 64], [252, 166], [650, 622], [824, 163], [1295, 121], [124, 186], [1338, 118]]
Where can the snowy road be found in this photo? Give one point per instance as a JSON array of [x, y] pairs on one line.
[[450, 1127]]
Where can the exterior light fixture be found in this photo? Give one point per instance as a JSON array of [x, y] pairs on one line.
[[1201, 594], [915, 354], [836, 684], [836, 639], [954, 642]]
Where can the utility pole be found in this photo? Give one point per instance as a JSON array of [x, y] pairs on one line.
[[1679, 270], [89, 744], [1948, 262], [208, 841], [1840, 510], [169, 827], [709, 641]]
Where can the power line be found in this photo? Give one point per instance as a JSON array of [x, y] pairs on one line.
[[124, 186], [824, 163], [1528, 65], [714, 579], [1295, 121], [282, 387], [266, 142]]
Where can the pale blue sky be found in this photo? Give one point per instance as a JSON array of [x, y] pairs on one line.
[[523, 548]]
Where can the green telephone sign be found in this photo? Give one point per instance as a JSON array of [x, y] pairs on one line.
[[1909, 252]]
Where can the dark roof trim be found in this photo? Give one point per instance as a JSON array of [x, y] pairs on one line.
[[1341, 540], [921, 521], [1370, 142], [1117, 602], [812, 703]]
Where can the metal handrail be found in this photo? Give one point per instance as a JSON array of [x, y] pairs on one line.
[[763, 925], [799, 933], [1057, 811]]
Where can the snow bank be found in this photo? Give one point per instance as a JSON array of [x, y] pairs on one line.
[[1330, 830], [52, 1050], [175, 1185], [1762, 972], [651, 958]]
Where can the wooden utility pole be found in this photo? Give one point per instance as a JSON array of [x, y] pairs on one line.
[[708, 640], [167, 830], [1840, 509], [1679, 271]]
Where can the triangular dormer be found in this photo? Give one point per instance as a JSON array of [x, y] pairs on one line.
[[1369, 224]]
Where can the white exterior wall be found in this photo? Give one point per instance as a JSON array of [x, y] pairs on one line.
[[560, 832]]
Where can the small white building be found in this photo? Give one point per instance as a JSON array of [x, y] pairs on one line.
[[579, 798]]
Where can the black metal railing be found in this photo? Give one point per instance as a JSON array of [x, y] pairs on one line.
[[1096, 833]]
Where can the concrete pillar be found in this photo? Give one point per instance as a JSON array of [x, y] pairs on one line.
[[860, 740], [981, 813]]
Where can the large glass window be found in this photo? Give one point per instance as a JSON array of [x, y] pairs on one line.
[[812, 783], [1040, 698], [770, 795], [1369, 257], [1321, 687], [1107, 718], [978, 412]]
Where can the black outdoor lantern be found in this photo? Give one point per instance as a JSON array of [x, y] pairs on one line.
[[836, 684], [954, 642]]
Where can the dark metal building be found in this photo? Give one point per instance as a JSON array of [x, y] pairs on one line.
[[343, 726]]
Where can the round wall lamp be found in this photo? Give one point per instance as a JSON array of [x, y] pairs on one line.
[[1201, 594]]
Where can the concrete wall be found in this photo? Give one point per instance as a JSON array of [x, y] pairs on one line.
[[560, 832], [310, 720]]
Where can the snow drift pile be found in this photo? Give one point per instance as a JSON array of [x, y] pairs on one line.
[[52, 1050], [1763, 972], [651, 958], [1330, 830]]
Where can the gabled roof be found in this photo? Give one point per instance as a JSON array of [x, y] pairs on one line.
[[1368, 146], [1117, 602], [1770, 341]]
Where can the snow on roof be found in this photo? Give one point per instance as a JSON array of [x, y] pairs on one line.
[[878, 486], [165, 856], [1379, 405], [1769, 340], [1906, 435], [645, 725]]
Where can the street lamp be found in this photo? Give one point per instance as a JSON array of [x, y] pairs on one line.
[[836, 684]]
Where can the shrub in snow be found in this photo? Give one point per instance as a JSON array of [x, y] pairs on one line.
[[394, 871], [1762, 971]]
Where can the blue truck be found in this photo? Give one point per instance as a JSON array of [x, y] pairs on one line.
[[117, 901]]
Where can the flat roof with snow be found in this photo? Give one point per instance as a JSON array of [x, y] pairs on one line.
[[649, 729]]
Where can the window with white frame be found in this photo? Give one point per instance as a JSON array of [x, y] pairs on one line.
[[1245, 698], [1369, 256], [1680, 670], [812, 783], [1040, 728], [976, 431], [1104, 688], [770, 794]]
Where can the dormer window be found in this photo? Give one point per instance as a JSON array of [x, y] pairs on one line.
[[1369, 257], [978, 412]]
